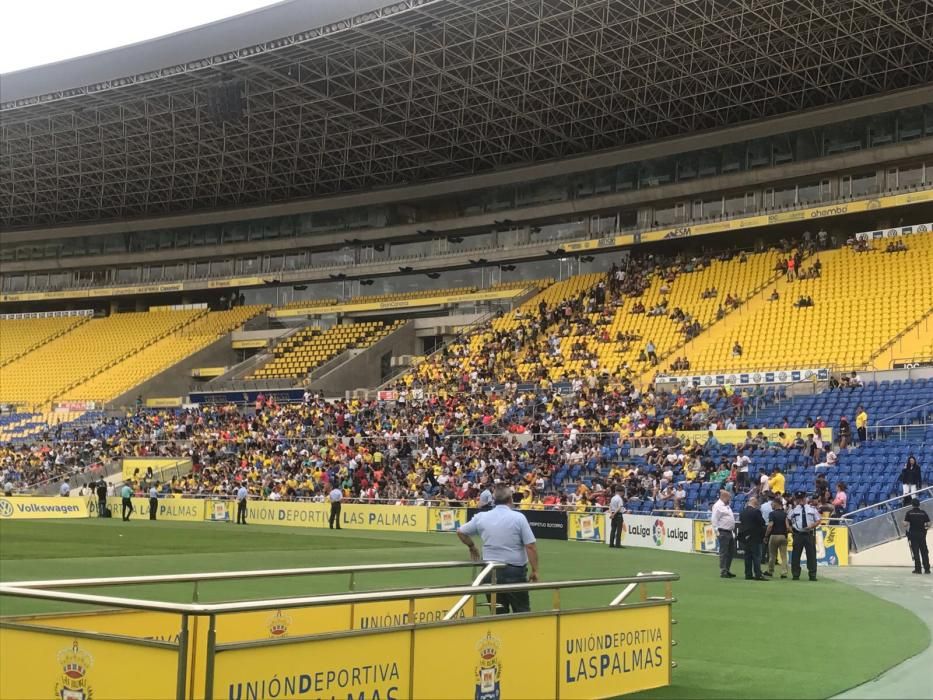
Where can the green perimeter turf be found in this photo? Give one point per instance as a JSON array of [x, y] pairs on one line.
[[735, 638]]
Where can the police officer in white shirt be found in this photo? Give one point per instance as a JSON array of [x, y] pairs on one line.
[[615, 519], [723, 522], [335, 496], [485, 500], [507, 538], [153, 500], [241, 497], [804, 520]]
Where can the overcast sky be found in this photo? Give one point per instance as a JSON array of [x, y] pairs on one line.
[[36, 32]]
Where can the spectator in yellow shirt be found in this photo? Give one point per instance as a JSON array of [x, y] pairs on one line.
[[776, 482], [861, 424]]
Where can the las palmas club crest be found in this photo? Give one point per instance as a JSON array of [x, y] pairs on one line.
[[75, 664], [489, 671], [278, 625]]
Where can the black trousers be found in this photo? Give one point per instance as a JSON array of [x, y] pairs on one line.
[[517, 602], [615, 530], [153, 508], [241, 512], [101, 506], [334, 515], [127, 508], [862, 434], [726, 551], [919, 551], [752, 559], [803, 541]]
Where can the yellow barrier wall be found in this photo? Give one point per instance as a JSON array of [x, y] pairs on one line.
[[354, 516], [612, 652], [375, 666], [181, 509], [492, 658], [67, 668], [577, 655], [29, 508], [158, 464], [396, 612], [732, 437]]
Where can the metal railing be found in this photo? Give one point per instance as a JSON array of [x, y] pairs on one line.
[[883, 527], [926, 404], [254, 573], [903, 431]]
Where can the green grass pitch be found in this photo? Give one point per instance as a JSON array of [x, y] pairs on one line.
[[736, 639]]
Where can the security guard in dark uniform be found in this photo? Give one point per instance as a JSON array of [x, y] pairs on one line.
[[916, 523], [804, 520]]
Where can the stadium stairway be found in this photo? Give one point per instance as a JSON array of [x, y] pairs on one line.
[[916, 342]]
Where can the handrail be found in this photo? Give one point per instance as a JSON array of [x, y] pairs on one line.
[[632, 586], [319, 601], [906, 410], [252, 573], [452, 613], [848, 516]]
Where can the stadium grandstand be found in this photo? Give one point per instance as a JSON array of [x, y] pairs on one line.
[[666, 248]]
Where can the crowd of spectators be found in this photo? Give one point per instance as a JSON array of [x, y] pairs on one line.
[[483, 409]]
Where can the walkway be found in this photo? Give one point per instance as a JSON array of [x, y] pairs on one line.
[[910, 679]]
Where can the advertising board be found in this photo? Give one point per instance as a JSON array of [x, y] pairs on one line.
[[658, 532], [587, 527], [608, 653], [31, 508], [545, 524]]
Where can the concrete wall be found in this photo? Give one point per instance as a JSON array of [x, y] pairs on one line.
[[363, 370], [176, 380], [267, 333]]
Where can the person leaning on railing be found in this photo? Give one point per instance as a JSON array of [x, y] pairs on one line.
[[507, 538]]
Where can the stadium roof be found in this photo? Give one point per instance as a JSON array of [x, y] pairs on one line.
[[421, 90]]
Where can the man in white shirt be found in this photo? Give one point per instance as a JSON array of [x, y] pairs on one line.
[[153, 500], [241, 496], [65, 489], [615, 519], [335, 497], [741, 464], [723, 522]]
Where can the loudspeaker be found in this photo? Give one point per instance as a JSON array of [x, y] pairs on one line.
[[225, 102]]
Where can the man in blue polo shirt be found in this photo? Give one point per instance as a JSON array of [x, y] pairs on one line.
[[507, 538]]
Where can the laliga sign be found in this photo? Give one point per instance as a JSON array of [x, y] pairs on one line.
[[675, 534]]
